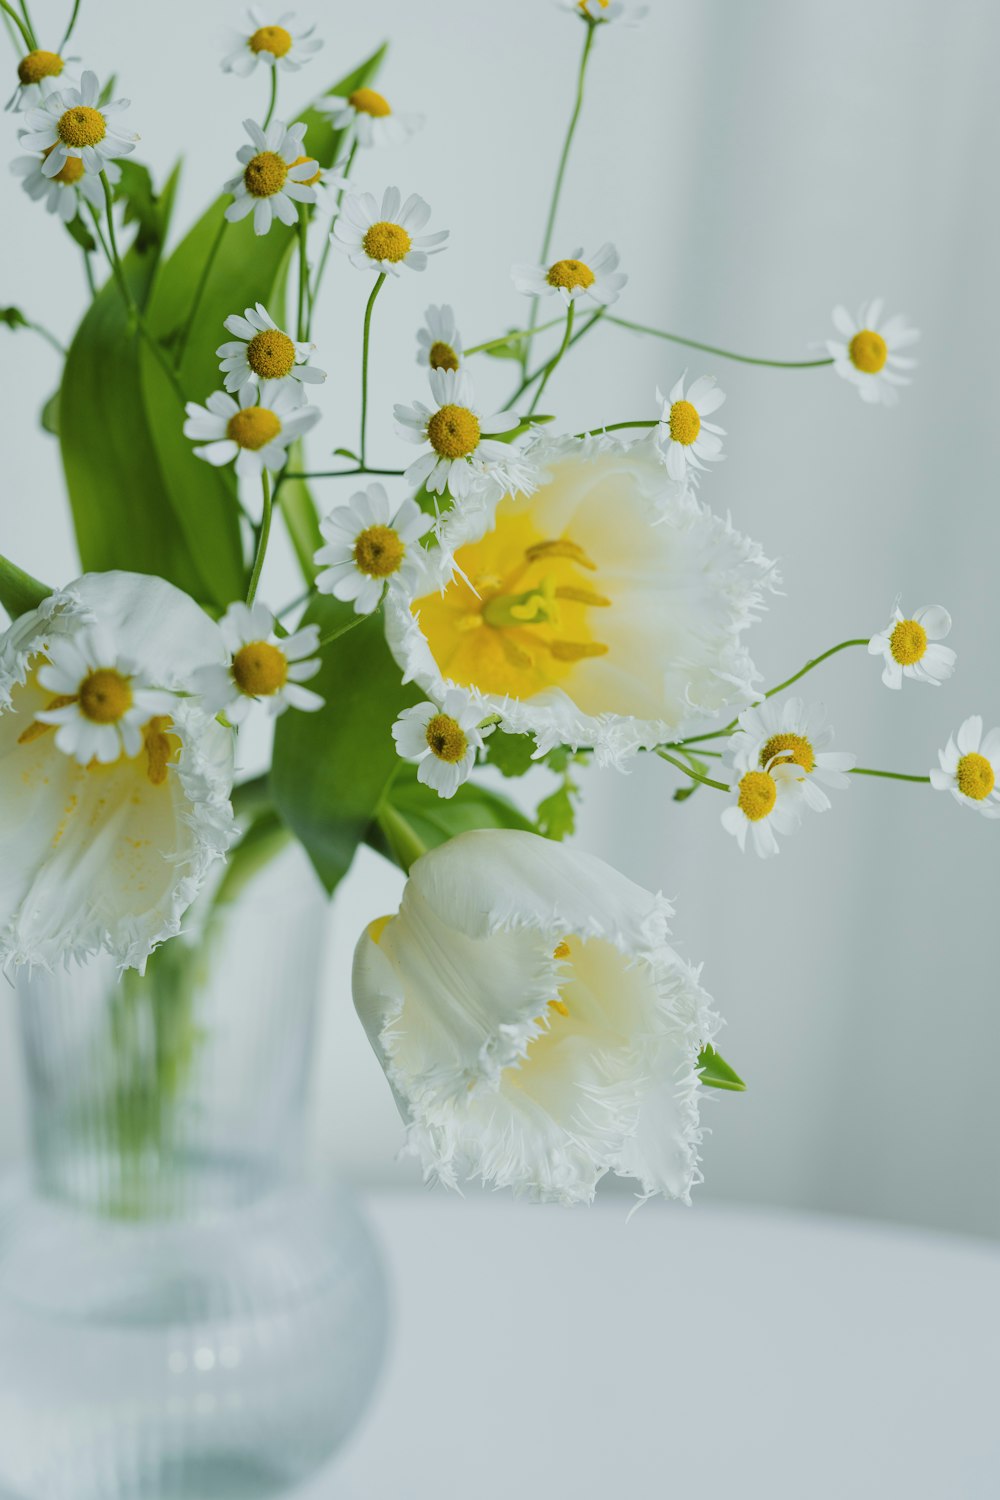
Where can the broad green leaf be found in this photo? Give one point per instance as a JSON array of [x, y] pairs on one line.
[[716, 1072], [77, 230], [510, 753], [414, 818], [19, 592], [142, 204]]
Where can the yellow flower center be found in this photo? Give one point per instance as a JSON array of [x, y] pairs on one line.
[[308, 181], [379, 551], [443, 356], [908, 642], [385, 241], [71, 170], [758, 794], [253, 427], [368, 102], [685, 423], [105, 696], [453, 431], [569, 274], [976, 778], [271, 354], [868, 351], [447, 739], [260, 669], [265, 174], [586, 4], [273, 39], [161, 748], [789, 749], [81, 126], [39, 65]]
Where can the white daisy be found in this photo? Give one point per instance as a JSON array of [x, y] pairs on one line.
[[385, 238], [970, 768], [39, 74], [368, 118], [100, 699], [255, 430], [459, 434], [606, 10], [439, 343], [867, 354], [272, 43], [68, 123], [443, 741], [275, 176], [792, 733], [264, 353], [263, 668], [766, 803], [684, 439], [62, 193], [596, 277], [368, 544], [909, 646]]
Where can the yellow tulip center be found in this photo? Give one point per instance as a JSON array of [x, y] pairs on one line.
[[569, 274], [443, 356], [685, 423], [162, 748], [273, 39], [454, 432], [71, 170], [790, 750], [385, 241], [908, 642], [260, 669], [758, 794], [265, 174], [868, 351], [975, 776], [39, 65], [447, 739], [379, 551], [271, 354], [105, 696], [81, 126], [253, 427], [368, 102]]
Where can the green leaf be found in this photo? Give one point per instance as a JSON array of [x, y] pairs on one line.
[[508, 350], [684, 792], [13, 317], [556, 814], [49, 416], [413, 818], [142, 204], [19, 592], [77, 230], [716, 1072], [511, 753]]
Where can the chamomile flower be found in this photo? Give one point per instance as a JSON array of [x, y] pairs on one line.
[[61, 194], [442, 741], [910, 646], [263, 668], [369, 544], [262, 352], [39, 74], [254, 430], [970, 768], [385, 238], [69, 124], [867, 352], [684, 439], [275, 177], [766, 803], [271, 42], [368, 118], [101, 699], [597, 277], [599, 11], [794, 734], [462, 452], [439, 343]]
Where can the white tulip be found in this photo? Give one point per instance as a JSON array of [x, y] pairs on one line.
[[536, 1027]]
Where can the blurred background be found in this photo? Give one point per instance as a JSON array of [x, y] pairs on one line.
[[755, 165]]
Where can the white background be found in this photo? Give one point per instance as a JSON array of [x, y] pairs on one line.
[[755, 164]]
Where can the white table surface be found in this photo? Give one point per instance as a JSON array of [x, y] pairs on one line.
[[544, 1354]]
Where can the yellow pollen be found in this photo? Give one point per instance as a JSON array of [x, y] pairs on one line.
[[36, 730], [162, 747], [308, 181], [271, 354], [259, 669], [562, 547], [443, 356], [561, 949], [583, 596], [685, 423], [569, 274], [447, 739], [379, 551], [81, 126], [789, 749], [39, 65], [265, 174], [758, 794], [253, 427], [576, 650], [368, 102], [976, 778], [560, 1006], [105, 696], [868, 351], [273, 39], [453, 432], [385, 241], [908, 642]]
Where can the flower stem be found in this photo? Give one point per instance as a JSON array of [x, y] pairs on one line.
[[199, 292], [889, 775], [44, 333], [88, 271], [328, 246], [29, 41], [364, 361], [514, 337], [274, 98], [578, 335], [616, 427], [695, 775], [263, 536], [743, 359], [348, 626], [303, 318], [72, 23], [345, 473], [555, 359]]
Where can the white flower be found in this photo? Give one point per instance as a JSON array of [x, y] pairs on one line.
[[68, 123], [275, 177], [867, 354], [262, 353], [767, 803], [369, 544], [255, 430], [40, 74], [606, 10], [262, 667], [596, 277], [367, 117], [462, 454], [270, 42], [607, 609], [101, 856], [792, 733], [443, 741], [388, 237], [62, 193], [439, 343], [685, 440], [970, 766], [100, 700], [909, 646], [536, 1027]]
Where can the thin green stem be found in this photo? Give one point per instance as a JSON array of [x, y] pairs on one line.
[[347, 627], [72, 24], [26, 13], [553, 362], [720, 786], [88, 271], [364, 361], [302, 324], [273, 99], [514, 337], [580, 333], [743, 359], [616, 427], [199, 292], [889, 775], [44, 333], [328, 246], [263, 537], [29, 40], [345, 473]]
